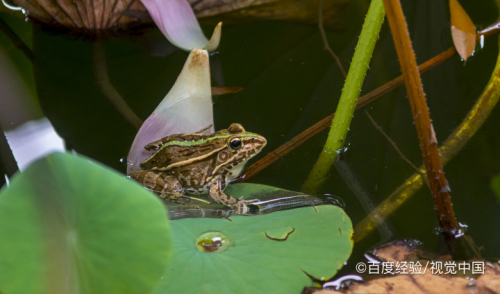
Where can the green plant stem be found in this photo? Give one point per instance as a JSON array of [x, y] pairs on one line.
[[453, 144], [349, 97]]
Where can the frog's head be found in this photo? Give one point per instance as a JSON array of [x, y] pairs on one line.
[[241, 146]]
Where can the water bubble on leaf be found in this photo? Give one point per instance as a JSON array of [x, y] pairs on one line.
[[212, 242]]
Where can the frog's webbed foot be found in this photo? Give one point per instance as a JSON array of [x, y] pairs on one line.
[[217, 194]]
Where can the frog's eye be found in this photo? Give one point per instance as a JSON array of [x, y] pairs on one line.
[[235, 143]]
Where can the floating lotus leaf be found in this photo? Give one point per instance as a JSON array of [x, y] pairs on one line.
[[70, 225], [266, 254]]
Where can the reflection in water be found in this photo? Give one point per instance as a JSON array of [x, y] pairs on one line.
[[364, 198], [342, 281], [214, 210], [33, 140]]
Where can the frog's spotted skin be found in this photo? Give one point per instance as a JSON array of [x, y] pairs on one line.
[[196, 164]]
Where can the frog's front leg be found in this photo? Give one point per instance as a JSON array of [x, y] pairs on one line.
[[167, 186], [217, 193]]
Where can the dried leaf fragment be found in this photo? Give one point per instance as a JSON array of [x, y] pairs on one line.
[[463, 30], [225, 90]]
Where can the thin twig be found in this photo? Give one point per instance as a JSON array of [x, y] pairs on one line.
[[393, 144], [325, 40]]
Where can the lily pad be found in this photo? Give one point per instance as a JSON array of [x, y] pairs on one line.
[[318, 243], [70, 225]]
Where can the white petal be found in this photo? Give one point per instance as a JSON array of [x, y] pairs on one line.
[[214, 41], [177, 21], [187, 108]]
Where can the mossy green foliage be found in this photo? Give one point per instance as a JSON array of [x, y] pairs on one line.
[[312, 240], [70, 225]]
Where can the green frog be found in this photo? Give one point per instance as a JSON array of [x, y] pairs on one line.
[[198, 164]]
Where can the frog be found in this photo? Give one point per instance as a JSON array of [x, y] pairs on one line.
[[195, 163]]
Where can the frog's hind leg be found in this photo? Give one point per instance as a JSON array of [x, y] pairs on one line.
[[166, 186]]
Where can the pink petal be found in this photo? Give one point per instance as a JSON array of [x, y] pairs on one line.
[[177, 21], [187, 108]]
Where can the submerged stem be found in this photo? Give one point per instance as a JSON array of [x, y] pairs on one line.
[[101, 72]]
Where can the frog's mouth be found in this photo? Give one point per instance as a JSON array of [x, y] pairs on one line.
[[255, 142]]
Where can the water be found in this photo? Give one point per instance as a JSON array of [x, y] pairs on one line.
[[290, 83]]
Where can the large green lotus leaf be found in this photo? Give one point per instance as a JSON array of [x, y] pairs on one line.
[[312, 240], [70, 225]]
